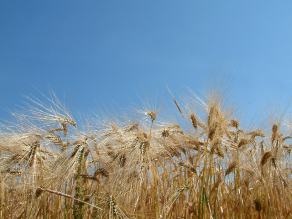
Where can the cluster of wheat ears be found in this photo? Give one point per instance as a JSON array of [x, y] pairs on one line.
[[206, 167]]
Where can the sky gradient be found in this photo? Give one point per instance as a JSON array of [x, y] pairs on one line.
[[116, 54]]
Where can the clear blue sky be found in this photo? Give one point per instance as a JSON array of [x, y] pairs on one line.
[[118, 53]]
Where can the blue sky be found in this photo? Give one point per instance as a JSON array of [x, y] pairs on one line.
[[116, 54]]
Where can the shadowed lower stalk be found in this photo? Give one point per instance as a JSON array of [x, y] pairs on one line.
[[80, 185]]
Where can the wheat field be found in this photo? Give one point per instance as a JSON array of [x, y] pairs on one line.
[[205, 166]]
